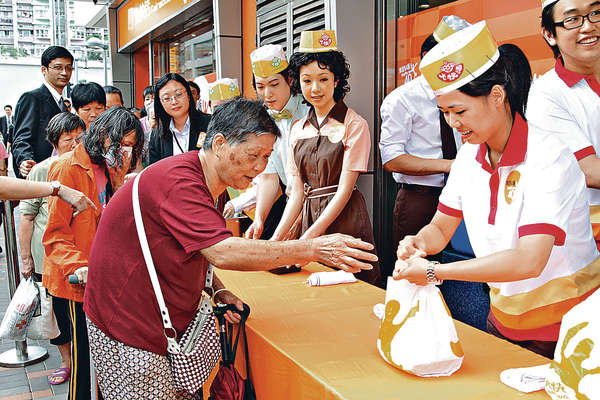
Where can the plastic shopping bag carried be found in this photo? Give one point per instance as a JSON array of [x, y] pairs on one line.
[[417, 333], [43, 326], [20, 311], [575, 371]]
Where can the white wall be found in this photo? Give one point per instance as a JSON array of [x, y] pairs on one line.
[[18, 76]]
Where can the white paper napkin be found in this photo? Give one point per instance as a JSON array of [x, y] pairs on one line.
[[525, 380], [330, 278]]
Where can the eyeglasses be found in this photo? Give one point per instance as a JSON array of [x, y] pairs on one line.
[[576, 21], [168, 99], [58, 68]]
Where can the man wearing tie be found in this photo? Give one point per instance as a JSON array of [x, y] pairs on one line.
[[417, 145], [7, 124], [35, 108]]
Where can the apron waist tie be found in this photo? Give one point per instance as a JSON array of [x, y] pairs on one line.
[[315, 193]]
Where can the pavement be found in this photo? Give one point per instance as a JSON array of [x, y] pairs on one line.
[[29, 382]]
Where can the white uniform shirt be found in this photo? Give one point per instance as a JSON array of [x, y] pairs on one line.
[[567, 104], [278, 158], [537, 188], [53, 92], [410, 124], [183, 137]]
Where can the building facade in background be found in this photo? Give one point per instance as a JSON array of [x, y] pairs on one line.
[[28, 27]]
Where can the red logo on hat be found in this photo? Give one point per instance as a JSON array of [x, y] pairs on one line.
[[450, 71], [325, 40]]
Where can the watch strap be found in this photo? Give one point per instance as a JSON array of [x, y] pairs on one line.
[[55, 187]]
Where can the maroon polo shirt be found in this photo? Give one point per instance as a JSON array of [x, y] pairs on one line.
[[180, 219]]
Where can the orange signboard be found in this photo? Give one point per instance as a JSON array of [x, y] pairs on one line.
[[516, 22], [135, 18]]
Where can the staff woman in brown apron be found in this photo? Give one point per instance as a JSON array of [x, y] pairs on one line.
[[329, 148]]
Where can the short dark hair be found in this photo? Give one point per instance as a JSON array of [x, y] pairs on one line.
[[163, 120], [194, 85], [112, 89], [236, 119], [428, 44], [286, 73], [86, 93], [334, 61], [548, 24], [9, 106], [54, 52], [148, 90], [113, 124], [511, 71], [61, 123]]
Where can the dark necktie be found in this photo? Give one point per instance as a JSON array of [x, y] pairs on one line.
[[448, 143], [62, 105]]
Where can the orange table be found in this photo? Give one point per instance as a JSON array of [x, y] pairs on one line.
[[320, 343]]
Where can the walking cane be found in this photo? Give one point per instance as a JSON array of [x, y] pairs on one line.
[[74, 280]]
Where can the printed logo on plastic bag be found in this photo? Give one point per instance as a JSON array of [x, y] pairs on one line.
[[417, 333], [575, 371]]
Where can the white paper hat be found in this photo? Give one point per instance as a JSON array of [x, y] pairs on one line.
[[268, 60], [223, 89]]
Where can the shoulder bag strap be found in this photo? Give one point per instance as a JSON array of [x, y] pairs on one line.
[[172, 345]]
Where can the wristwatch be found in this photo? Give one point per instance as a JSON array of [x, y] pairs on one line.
[[55, 188], [430, 272]]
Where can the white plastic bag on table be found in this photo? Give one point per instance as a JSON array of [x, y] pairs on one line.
[[20, 311], [43, 326], [417, 333], [575, 371]]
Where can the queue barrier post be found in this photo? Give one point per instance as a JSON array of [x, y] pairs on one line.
[[21, 355]]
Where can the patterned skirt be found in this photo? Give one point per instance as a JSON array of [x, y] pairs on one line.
[[128, 373]]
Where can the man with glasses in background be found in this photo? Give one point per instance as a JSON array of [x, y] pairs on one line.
[[566, 99], [35, 108]]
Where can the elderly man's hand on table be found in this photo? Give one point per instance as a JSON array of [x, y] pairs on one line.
[[343, 251]]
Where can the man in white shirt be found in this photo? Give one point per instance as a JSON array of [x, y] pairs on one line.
[[417, 145], [7, 124], [566, 99], [35, 108]]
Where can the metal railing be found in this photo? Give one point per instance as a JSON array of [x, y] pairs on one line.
[[21, 355]]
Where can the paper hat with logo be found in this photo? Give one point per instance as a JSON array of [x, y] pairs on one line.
[[460, 59], [448, 25], [268, 60], [223, 89], [317, 41], [546, 3]]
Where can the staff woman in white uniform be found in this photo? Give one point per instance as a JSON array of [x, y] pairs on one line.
[[520, 191]]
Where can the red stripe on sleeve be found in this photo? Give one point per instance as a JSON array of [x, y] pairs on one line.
[[583, 153], [545, 229], [453, 212]]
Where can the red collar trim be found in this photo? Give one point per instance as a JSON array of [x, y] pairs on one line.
[[571, 78], [516, 147]]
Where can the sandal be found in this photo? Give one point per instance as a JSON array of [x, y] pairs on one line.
[[59, 376]]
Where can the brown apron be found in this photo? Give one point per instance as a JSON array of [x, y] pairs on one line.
[[320, 163]]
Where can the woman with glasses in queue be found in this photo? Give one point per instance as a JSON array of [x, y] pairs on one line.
[[519, 190], [178, 122]]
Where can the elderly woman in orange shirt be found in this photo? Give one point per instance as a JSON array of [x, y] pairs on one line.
[[97, 167]]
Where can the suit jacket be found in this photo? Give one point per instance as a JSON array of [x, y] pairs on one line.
[[6, 130], [32, 114], [163, 147]]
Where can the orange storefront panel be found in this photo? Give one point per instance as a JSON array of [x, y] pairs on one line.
[[137, 17], [516, 22]]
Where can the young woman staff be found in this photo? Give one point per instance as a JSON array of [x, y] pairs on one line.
[[329, 147], [519, 190]]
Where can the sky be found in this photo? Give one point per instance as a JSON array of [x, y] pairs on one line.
[[85, 10]]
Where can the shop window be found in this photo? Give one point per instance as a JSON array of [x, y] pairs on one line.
[[282, 21]]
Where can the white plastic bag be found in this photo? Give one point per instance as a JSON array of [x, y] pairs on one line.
[[43, 326], [417, 333], [20, 311], [575, 371]]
